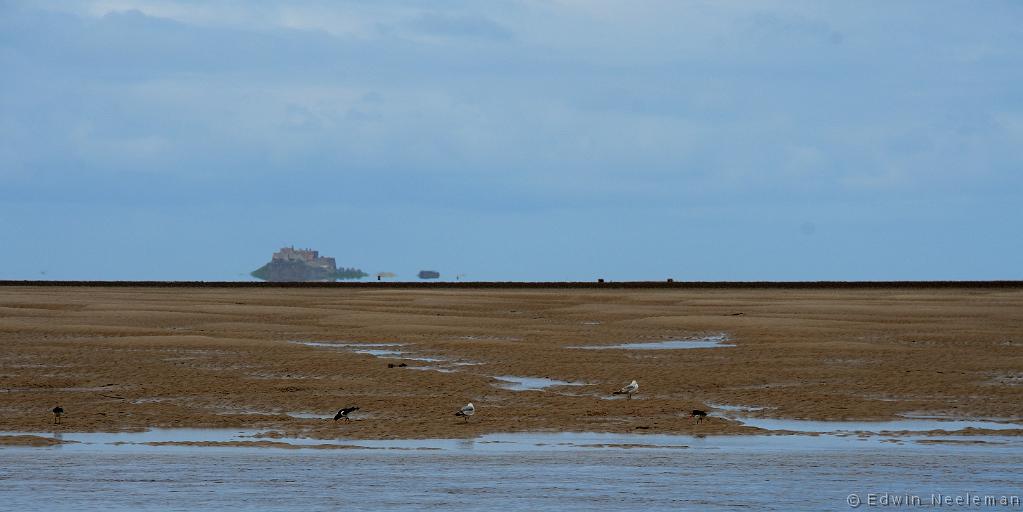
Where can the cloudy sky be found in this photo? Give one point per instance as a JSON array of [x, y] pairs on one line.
[[513, 139]]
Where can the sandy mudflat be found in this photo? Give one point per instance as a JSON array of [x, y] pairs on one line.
[[120, 358], [28, 440]]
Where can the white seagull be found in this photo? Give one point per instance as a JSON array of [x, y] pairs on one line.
[[628, 390], [466, 411]]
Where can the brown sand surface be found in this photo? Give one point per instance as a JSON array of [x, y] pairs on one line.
[[124, 358]]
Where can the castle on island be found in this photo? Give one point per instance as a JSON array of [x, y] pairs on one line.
[[307, 256], [298, 265]]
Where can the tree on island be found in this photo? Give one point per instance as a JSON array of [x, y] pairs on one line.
[[349, 273]]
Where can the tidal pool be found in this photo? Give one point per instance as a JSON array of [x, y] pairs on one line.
[[373, 349], [381, 350], [735, 408], [515, 383], [707, 342]]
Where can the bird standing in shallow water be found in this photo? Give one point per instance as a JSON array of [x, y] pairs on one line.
[[466, 411], [343, 413], [57, 413], [628, 390]]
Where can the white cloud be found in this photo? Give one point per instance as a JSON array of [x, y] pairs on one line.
[[735, 95]]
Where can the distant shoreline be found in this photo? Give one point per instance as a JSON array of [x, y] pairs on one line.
[[1011, 284]]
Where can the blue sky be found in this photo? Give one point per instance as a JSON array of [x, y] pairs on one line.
[[513, 139]]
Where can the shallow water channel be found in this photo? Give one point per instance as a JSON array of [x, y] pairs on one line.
[[717, 341], [534, 471]]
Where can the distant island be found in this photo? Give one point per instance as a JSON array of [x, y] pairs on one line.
[[429, 274], [300, 265]]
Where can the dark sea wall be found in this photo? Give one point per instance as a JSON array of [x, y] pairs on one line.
[[682, 285]]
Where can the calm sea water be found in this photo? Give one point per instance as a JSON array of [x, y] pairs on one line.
[[509, 472]]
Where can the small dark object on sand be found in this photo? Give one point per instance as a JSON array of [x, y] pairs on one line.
[[698, 414], [343, 413], [57, 413]]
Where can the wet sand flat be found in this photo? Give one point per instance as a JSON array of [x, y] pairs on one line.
[[124, 358]]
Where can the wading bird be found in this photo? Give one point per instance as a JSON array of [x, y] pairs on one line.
[[698, 414], [343, 413], [628, 390], [57, 413], [466, 411]]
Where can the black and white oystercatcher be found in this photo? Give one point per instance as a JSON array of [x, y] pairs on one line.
[[628, 390], [466, 411], [343, 413], [698, 414], [57, 413]]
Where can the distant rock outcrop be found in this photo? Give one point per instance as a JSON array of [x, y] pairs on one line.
[[290, 264]]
